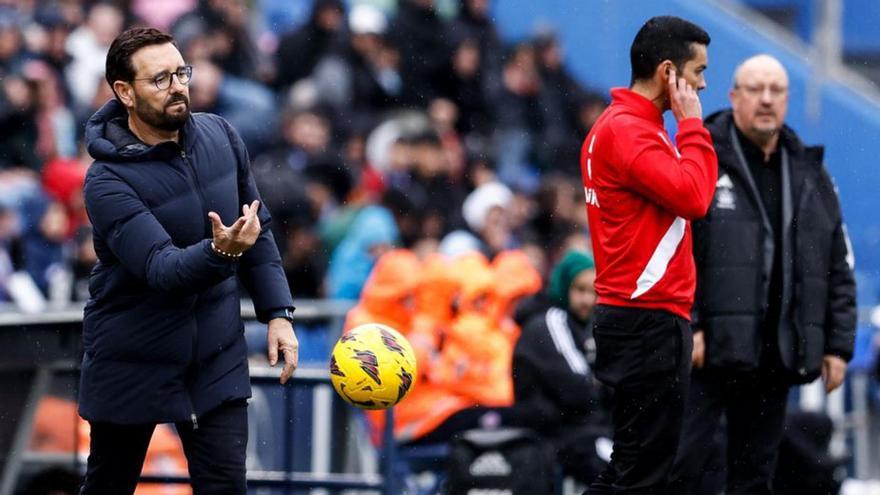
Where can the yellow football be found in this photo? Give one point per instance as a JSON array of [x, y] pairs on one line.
[[372, 366]]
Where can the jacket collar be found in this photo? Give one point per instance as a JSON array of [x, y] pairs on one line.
[[109, 138], [636, 104]]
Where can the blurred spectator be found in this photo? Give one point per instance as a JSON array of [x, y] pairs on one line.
[[63, 182], [444, 117], [280, 173], [362, 79], [421, 36], [463, 84], [48, 43], [516, 278], [430, 403], [463, 354], [470, 374], [299, 51], [556, 394], [485, 210], [562, 97], [564, 156], [49, 220], [44, 230], [558, 211], [247, 105], [372, 234], [406, 216], [429, 186], [474, 23], [230, 45], [88, 45], [11, 43], [479, 167], [518, 118], [302, 182], [18, 124], [387, 297], [56, 128], [478, 346], [368, 183]]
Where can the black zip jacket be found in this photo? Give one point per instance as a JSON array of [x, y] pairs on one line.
[[734, 247]]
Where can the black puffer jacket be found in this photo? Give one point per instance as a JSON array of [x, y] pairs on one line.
[[734, 246], [162, 332]]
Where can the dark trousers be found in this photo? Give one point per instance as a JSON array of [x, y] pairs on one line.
[[754, 407], [645, 356], [215, 453]]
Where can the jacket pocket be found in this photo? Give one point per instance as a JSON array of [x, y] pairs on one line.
[[732, 342], [812, 345]]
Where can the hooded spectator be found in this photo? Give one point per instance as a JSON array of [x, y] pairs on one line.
[[372, 234], [485, 213]]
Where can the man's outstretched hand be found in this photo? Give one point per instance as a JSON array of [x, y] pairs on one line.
[[241, 235], [282, 340]]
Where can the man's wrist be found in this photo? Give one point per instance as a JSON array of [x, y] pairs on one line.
[[285, 313], [225, 254]]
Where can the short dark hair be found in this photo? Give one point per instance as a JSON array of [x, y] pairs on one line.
[[664, 38], [119, 67]]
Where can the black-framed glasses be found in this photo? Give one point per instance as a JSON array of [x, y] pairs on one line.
[[776, 92], [163, 81]]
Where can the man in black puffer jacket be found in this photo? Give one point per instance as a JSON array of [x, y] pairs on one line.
[[162, 331], [775, 301]]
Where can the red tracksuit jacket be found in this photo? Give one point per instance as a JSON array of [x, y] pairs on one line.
[[641, 194]]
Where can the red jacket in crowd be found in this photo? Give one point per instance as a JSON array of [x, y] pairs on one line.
[[641, 194]]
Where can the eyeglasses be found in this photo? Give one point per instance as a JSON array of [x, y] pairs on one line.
[[776, 92], [163, 80]]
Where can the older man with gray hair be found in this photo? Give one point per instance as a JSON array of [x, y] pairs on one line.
[[775, 300]]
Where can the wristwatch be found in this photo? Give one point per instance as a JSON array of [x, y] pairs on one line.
[[286, 313]]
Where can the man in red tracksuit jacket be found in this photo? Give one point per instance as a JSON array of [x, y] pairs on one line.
[[641, 193]]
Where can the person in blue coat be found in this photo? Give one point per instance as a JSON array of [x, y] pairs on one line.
[[177, 224]]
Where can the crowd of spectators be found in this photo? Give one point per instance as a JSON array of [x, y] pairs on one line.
[[370, 125]]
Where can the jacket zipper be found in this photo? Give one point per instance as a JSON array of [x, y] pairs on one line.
[[192, 414], [195, 337], [198, 187]]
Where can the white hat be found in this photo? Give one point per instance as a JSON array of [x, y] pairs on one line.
[[478, 203], [366, 19], [457, 243]]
